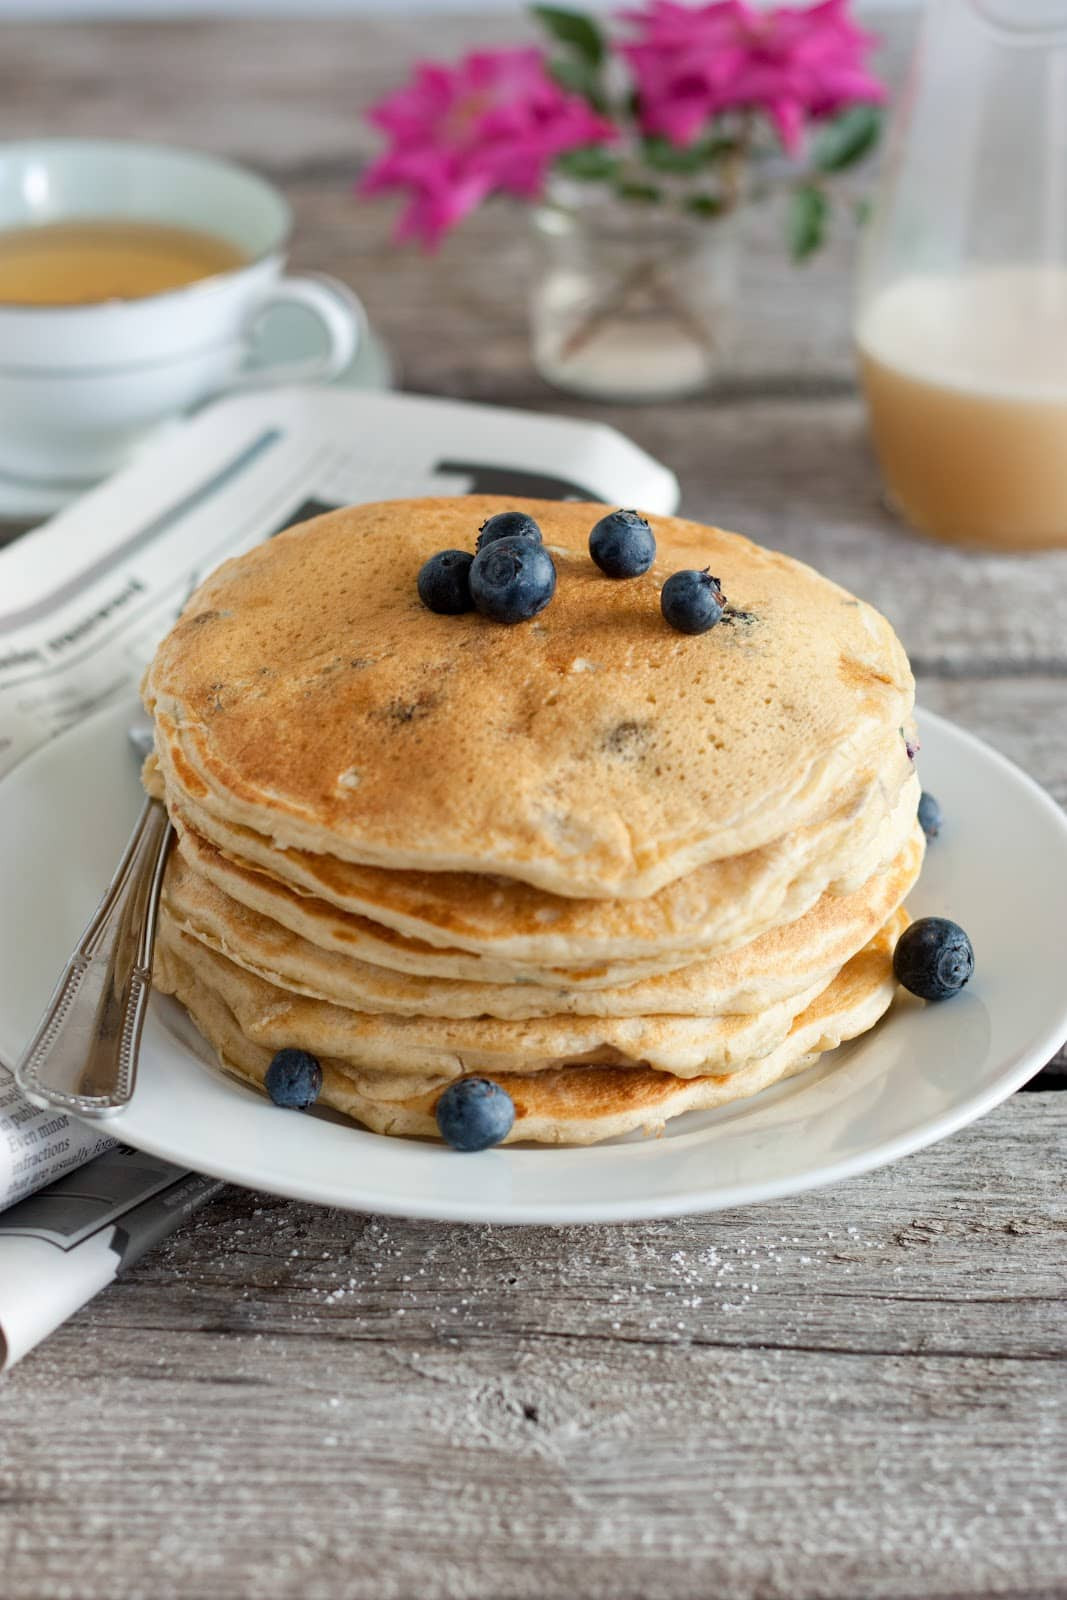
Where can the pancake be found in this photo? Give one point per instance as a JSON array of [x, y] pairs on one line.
[[571, 1105], [719, 906], [593, 753], [359, 938], [785, 962], [624, 872], [449, 1047]]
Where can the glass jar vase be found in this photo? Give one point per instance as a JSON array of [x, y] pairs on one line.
[[631, 300]]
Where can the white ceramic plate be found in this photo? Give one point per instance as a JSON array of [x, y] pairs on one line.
[[999, 868]]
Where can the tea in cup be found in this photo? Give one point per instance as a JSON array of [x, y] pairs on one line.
[[133, 278]]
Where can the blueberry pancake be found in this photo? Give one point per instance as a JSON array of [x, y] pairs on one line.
[[464, 793], [593, 751]]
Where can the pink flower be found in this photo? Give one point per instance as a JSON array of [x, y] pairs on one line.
[[791, 63], [492, 123]]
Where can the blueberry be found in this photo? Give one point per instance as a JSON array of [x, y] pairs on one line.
[[444, 582], [508, 525], [512, 580], [474, 1113], [933, 958], [692, 601], [623, 545], [930, 818], [294, 1079]]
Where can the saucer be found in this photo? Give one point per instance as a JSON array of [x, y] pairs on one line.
[[288, 334]]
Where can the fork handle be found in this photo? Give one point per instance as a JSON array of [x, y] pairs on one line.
[[83, 1056]]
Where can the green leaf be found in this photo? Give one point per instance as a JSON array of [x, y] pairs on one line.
[[662, 156], [848, 138], [861, 210], [704, 205], [588, 165], [578, 77], [807, 221], [580, 33], [684, 160], [718, 146], [644, 193]]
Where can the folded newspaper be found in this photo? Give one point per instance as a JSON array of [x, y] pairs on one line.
[[83, 601]]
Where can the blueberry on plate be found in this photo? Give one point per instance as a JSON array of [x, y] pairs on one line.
[[444, 582], [508, 525], [691, 601], [622, 544], [512, 580], [294, 1079], [474, 1114], [933, 958], [930, 818]]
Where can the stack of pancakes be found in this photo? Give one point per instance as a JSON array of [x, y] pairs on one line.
[[621, 871]]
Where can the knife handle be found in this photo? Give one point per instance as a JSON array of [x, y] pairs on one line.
[[83, 1056]]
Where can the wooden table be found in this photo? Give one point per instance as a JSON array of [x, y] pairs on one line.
[[857, 1393]]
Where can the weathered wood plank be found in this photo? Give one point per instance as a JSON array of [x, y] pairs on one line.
[[858, 1393]]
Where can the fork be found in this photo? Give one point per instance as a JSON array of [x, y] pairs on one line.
[[83, 1055]]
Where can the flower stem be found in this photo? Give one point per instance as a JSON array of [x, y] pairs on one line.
[[644, 275]]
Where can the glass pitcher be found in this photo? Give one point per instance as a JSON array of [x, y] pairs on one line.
[[961, 320]]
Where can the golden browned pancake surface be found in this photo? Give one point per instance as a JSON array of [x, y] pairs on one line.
[[593, 751]]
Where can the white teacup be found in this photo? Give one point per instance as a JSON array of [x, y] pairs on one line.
[[81, 385]]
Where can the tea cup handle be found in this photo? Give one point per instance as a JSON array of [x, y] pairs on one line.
[[340, 313]]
